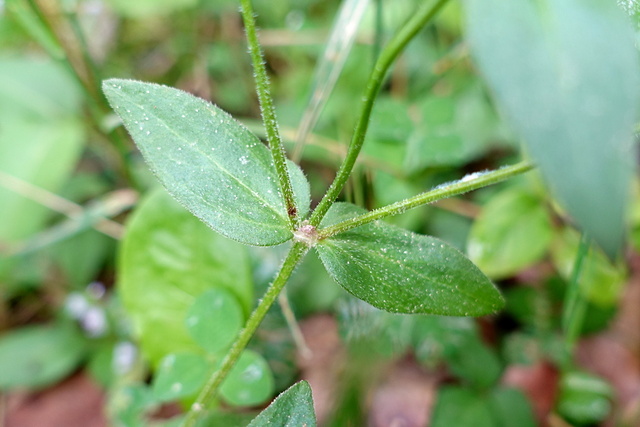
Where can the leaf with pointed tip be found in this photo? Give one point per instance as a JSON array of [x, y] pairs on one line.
[[208, 161], [566, 74], [292, 408], [403, 272]]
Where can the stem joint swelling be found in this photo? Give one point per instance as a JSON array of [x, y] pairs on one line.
[[307, 234]]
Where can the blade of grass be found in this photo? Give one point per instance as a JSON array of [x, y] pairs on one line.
[[343, 35], [58, 204], [94, 215]]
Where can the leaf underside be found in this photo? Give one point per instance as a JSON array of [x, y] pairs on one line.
[[566, 74], [403, 272], [209, 162]]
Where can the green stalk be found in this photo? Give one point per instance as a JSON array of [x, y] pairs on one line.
[[459, 187], [268, 111], [210, 390], [397, 44], [575, 306]]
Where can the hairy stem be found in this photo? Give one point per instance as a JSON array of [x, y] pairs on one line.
[[268, 111], [423, 16], [210, 390], [466, 184]]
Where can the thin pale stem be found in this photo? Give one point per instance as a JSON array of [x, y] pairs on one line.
[[294, 327], [210, 390], [387, 57], [268, 111], [466, 184]]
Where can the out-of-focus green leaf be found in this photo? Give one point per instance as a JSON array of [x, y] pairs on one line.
[[434, 338], [457, 406], [292, 408], [601, 281], [513, 231], [475, 362], [215, 319], [180, 375], [147, 8], [584, 398], [512, 408], [377, 333], [37, 356], [168, 258], [40, 142], [208, 161], [566, 74], [452, 129], [403, 272], [250, 381]]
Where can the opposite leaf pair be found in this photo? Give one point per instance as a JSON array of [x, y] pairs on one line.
[[225, 176]]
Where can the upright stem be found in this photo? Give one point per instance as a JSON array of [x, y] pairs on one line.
[[384, 62], [268, 111], [466, 184], [210, 390]]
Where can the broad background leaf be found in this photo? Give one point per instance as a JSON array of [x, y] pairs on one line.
[[168, 258], [215, 319], [208, 161], [400, 271], [41, 138], [566, 74], [292, 408], [37, 356]]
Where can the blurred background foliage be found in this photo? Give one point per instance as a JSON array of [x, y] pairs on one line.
[[100, 272]]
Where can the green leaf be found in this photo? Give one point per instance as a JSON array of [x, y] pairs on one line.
[[168, 259], [457, 406], [41, 139], [250, 381], [512, 408], [513, 231], [180, 375], [584, 398], [37, 356], [292, 408], [147, 8], [399, 271], [208, 161], [452, 129], [566, 74], [475, 362], [215, 319]]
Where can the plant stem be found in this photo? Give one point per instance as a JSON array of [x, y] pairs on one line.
[[268, 111], [209, 392], [423, 16], [575, 304], [466, 184]]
